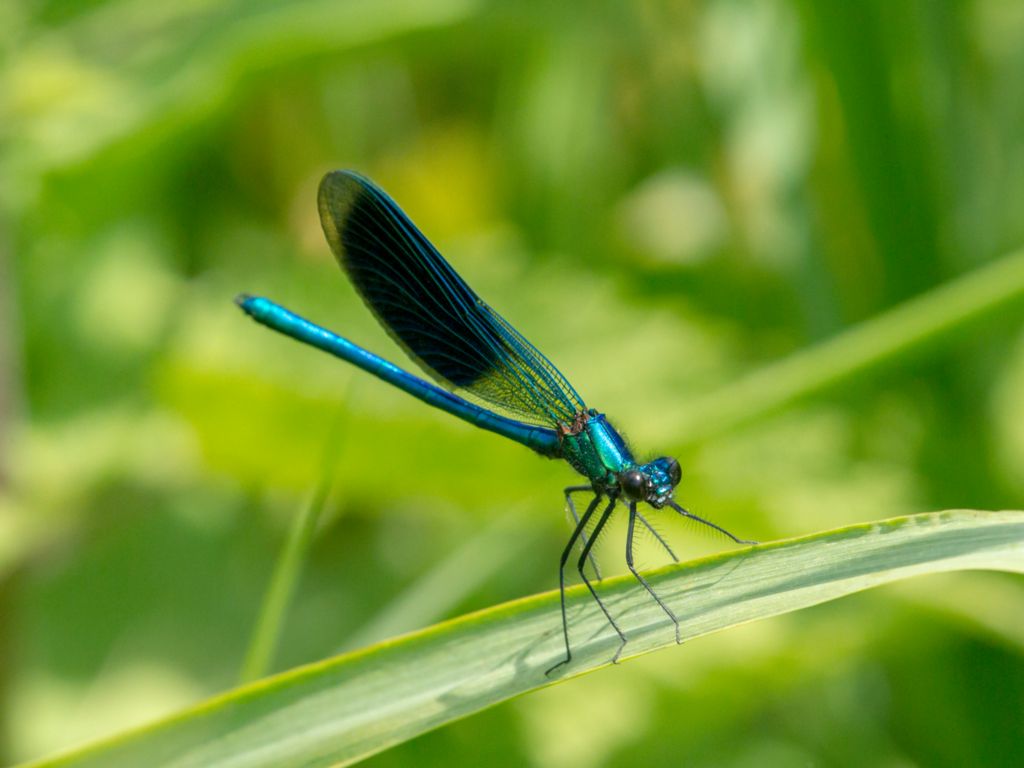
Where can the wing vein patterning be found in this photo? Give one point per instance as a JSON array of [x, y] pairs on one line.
[[431, 312]]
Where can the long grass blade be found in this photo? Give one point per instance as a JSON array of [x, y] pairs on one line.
[[351, 706]]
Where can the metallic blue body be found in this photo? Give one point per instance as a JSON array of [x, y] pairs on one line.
[[453, 335], [659, 472], [598, 452], [543, 441]]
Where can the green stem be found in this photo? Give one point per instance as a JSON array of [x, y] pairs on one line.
[[445, 585], [913, 324], [269, 625]]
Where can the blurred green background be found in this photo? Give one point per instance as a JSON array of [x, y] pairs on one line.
[[662, 196]]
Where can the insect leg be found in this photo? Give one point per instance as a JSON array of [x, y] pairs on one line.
[[657, 536], [561, 576], [720, 529], [576, 520], [579, 566], [633, 515]]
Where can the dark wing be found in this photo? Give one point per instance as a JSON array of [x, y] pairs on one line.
[[431, 312]]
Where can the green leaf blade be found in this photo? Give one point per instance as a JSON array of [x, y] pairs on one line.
[[348, 707]]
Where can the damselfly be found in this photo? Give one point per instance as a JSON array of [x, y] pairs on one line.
[[509, 386]]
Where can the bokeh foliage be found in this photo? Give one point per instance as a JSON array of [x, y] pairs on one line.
[[663, 196]]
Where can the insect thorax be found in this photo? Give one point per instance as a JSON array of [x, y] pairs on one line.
[[595, 449]]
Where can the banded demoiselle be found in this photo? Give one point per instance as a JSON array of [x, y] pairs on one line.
[[466, 347]]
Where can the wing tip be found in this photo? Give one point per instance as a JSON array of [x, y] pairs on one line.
[[336, 197], [340, 186]]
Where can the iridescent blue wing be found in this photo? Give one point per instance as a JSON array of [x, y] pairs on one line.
[[431, 312]]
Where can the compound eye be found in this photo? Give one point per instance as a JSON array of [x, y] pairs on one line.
[[634, 484], [675, 473]]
